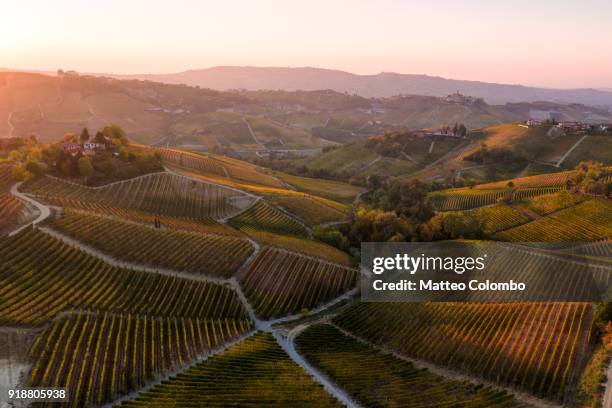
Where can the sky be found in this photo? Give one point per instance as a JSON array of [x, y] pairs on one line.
[[562, 43]]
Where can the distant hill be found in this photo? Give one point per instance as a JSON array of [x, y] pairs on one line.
[[380, 85], [244, 121]]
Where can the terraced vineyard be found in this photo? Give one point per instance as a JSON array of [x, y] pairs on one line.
[[466, 198], [588, 221], [376, 379], [45, 277], [214, 255], [279, 283], [536, 347], [161, 193], [264, 217], [255, 373], [100, 356]]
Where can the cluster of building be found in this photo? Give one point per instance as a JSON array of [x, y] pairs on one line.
[[444, 132], [574, 126], [460, 99], [88, 149]]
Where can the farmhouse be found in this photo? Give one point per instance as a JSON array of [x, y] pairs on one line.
[[92, 146], [71, 148]]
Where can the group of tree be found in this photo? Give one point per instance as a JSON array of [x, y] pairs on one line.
[[390, 143], [459, 130], [111, 161], [591, 178], [397, 211], [26, 154]]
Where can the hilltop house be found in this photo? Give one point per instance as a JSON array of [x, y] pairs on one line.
[[92, 146], [87, 148]]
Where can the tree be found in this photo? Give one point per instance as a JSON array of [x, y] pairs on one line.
[[20, 173], [85, 168], [84, 135], [115, 132], [35, 168], [99, 138], [70, 137], [462, 130], [484, 150]]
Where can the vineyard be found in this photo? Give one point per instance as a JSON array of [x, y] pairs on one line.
[[255, 372], [466, 198], [601, 248], [192, 161], [304, 246], [549, 203], [45, 277], [264, 217], [588, 221], [279, 283], [6, 179], [377, 379], [311, 209], [497, 217], [10, 210], [208, 254], [536, 347], [334, 190], [219, 168], [100, 356], [162, 193], [198, 225], [540, 180]]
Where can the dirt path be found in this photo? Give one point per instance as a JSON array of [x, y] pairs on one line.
[[263, 146], [288, 344], [454, 375], [43, 210], [571, 149]]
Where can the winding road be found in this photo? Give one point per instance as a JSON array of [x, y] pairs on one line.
[[44, 211]]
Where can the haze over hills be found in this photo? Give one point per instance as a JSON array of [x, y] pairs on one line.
[[380, 85], [50, 106]]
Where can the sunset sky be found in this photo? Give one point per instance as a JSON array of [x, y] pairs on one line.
[[563, 43]]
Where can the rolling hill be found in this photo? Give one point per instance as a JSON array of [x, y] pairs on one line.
[[383, 84], [301, 122]]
